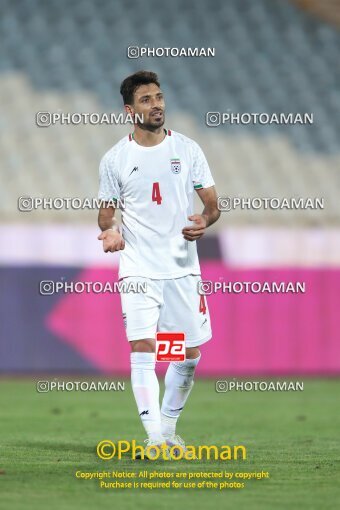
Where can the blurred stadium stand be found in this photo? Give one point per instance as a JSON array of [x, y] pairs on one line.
[[271, 56]]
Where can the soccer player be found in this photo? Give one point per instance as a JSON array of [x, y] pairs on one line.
[[156, 171]]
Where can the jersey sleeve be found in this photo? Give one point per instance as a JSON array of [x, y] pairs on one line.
[[201, 174], [109, 188]]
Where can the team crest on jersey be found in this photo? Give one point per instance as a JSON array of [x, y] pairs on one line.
[[175, 165]]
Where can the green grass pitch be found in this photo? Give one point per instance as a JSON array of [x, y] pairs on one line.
[[47, 437]]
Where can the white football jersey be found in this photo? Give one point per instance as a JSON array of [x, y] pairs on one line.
[[155, 188]]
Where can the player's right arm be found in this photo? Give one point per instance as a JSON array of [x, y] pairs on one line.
[[109, 190], [111, 236]]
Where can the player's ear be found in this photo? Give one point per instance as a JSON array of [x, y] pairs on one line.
[[128, 109]]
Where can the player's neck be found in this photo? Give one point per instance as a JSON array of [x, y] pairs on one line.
[[148, 138]]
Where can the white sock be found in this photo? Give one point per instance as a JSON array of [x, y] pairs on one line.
[[179, 380], [145, 388]]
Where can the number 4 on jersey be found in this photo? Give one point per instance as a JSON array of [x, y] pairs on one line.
[[203, 307], [156, 194]]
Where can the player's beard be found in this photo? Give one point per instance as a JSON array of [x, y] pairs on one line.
[[152, 124]]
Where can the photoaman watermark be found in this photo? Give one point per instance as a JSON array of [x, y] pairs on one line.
[[107, 450]]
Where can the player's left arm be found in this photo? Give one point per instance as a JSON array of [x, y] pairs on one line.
[[210, 214]]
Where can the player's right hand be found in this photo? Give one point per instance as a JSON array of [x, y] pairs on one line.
[[112, 240]]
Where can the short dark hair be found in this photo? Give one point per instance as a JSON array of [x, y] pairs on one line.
[[132, 82]]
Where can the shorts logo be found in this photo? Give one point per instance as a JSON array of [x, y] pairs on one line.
[[170, 347], [125, 320], [175, 165], [135, 169]]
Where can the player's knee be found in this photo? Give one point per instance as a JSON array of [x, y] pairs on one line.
[[144, 345], [192, 352]]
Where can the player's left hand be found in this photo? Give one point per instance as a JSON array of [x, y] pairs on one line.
[[194, 232]]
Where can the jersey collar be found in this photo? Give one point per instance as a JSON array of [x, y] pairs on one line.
[[166, 131]]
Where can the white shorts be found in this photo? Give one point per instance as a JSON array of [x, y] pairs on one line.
[[167, 305]]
